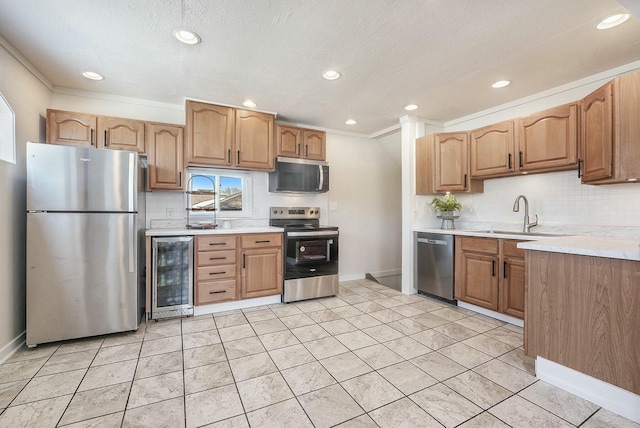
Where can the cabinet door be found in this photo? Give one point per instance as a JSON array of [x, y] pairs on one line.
[[492, 150], [261, 272], [314, 144], [71, 129], [165, 150], [548, 140], [254, 140], [121, 134], [477, 279], [209, 134], [452, 165], [288, 141], [425, 171], [596, 145], [512, 291]]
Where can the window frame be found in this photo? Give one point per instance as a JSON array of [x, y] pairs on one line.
[[216, 173], [7, 131]]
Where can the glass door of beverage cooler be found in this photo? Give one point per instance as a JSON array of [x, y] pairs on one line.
[[172, 277]]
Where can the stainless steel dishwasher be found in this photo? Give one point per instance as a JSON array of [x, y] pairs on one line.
[[434, 264]]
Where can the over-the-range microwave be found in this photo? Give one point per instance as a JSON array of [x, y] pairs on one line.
[[299, 176]]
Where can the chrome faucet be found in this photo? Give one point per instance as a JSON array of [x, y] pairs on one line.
[[516, 207]]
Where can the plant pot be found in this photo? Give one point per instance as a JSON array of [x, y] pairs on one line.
[[448, 218]]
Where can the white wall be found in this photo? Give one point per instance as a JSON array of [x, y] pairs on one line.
[[29, 98]]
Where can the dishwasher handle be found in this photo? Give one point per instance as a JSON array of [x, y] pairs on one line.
[[432, 241]]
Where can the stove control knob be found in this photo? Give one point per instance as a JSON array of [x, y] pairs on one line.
[[275, 211]]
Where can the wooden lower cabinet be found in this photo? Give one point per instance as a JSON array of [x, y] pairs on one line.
[[489, 273], [261, 258], [215, 269]]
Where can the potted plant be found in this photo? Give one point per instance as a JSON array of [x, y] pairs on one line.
[[445, 208]]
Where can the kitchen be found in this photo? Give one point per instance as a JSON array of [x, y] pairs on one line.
[[558, 198]]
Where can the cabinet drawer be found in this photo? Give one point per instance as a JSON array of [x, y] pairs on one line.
[[480, 245], [215, 242], [262, 240], [216, 291], [211, 273], [211, 258], [510, 249]]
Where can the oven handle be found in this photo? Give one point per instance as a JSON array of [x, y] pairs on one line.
[[323, 233]]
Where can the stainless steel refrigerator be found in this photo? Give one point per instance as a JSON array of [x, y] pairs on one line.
[[85, 242]]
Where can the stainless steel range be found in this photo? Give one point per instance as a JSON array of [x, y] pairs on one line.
[[311, 253]]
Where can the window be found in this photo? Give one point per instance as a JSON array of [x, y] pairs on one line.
[[7, 132], [232, 197]]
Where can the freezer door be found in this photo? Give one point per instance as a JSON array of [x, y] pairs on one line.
[[81, 275], [65, 178]]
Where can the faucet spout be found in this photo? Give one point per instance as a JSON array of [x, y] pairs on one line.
[[526, 227]]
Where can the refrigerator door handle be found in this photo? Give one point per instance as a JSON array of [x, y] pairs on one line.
[[132, 242], [133, 185]]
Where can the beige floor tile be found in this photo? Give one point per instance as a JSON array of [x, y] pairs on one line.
[[309, 333], [41, 351], [199, 338], [407, 326], [212, 405], [252, 366], [233, 422], [169, 413], [19, 370], [605, 418], [43, 413], [403, 413], [519, 360], [433, 339], [159, 364], [113, 420], [368, 306], [307, 306], [243, 347], [429, 320], [338, 326], [329, 406], [323, 315], [125, 338], [286, 414], [389, 302], [116, 354], [345, 366], [386, 315], [445, 405], [207, 377], [108, 374], [484, 420], [505, 375], [66, 362], [263, 391], [407, 347], [236, 332], [438, 366], [478, 389], [363, 321], [285, 310], [347, 311], [353, 299], [488, 345], [464, 355], [291, 356], [195, 326], [455, 331], [476, 324], [159, 346], [356, 340], [299, 320], [383, 333], [278, 339], [308, 377], [80, 345], [362, 421], [559, 402], [407, 310], [325, 347], [155, 389], [202, 356], [518, 412], [259, 315], [163, 329], [429, 305], [50, 386], [9, 391], [332, 302], [407, 377], [371, 390], [506, 335], [230, 320], [378, 356], [96, 402]]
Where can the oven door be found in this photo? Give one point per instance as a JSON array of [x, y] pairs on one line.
[[311, 253]]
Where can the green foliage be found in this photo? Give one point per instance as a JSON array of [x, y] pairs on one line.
[[448, 203]]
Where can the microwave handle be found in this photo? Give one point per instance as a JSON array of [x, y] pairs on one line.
[[321, 177]]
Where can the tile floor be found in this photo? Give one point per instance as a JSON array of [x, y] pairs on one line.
[[369, 357]]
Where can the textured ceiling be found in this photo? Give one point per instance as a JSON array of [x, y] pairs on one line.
[[440, 54]]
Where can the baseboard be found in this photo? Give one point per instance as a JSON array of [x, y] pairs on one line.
[[611, 397], [383, 273], [10, 348], [351, 277], [493, 314], [236, 304]]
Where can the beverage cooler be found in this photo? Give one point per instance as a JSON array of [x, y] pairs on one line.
[[172, 277]]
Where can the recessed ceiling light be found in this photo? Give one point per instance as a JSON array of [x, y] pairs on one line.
[[249, 103], [501, 84], [612, 21], [331, 75], [92, 75], [350, 122], [411, 107], [187, 37]]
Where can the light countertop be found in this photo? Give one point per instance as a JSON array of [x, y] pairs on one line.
[[216, 231]]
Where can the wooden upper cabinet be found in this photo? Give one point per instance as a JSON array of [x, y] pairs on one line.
[[210, 137], [254, 140], [165, 148], [314, 144], [492, 150], [425, 166], [288, 141], [121, 134], [452, 164], [548, 140], [71, 129], [610, 144]]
